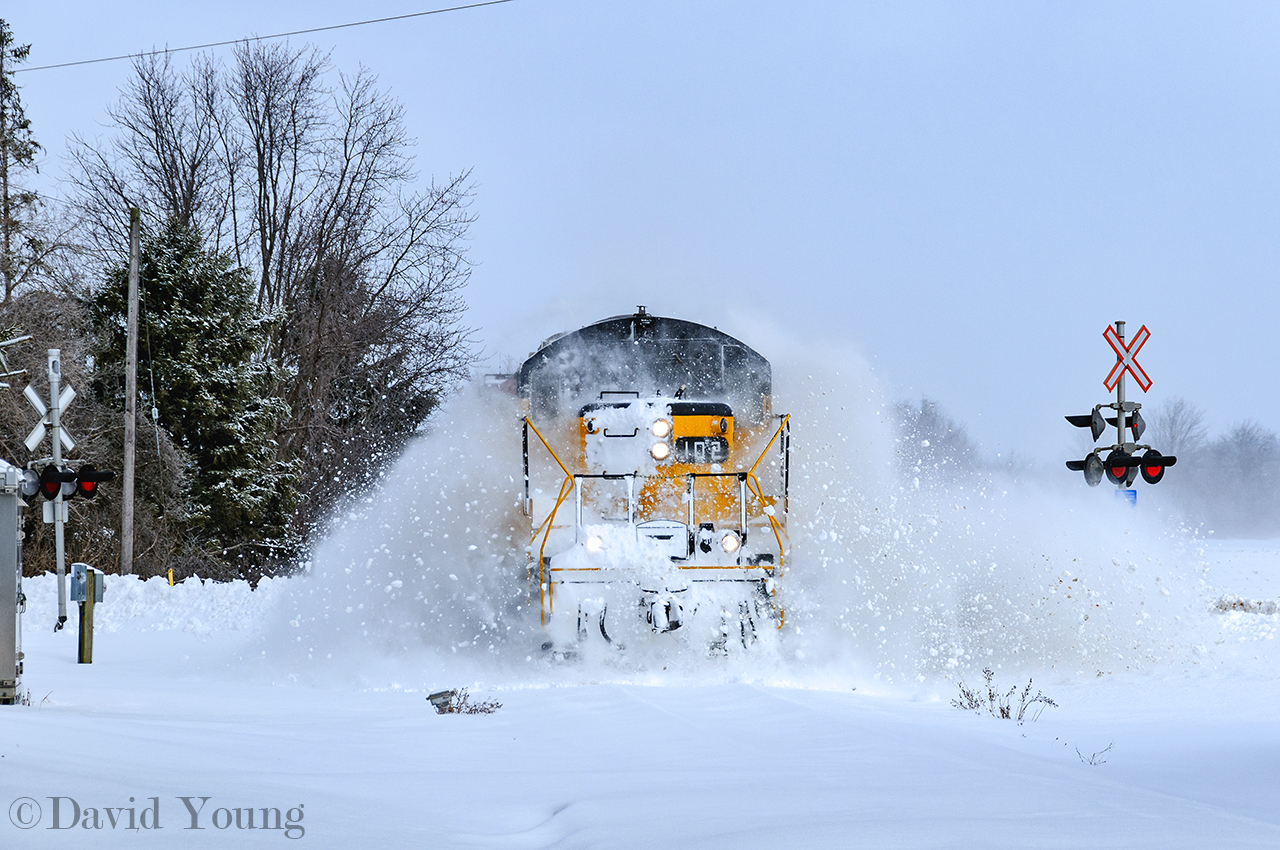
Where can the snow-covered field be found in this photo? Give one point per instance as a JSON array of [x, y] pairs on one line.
[[168, 710], [308, 695]]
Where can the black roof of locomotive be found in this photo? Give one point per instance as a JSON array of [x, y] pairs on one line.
[[651, 355]]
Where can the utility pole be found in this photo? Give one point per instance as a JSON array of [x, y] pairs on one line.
[[130, 399], [4, 175]]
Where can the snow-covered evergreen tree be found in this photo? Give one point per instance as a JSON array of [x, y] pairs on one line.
[[200, 365]]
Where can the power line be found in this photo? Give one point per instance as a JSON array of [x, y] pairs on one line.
[[265, 37]]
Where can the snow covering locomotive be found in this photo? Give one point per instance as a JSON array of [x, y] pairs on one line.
[[655, 484]]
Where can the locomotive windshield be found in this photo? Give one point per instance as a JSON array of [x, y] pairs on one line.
[[649, 356]]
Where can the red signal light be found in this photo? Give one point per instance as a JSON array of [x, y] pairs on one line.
[[1117, 467], [52, 479], [1152, 466], [88, 479]]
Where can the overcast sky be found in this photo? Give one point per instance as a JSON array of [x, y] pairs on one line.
[[967, 193]]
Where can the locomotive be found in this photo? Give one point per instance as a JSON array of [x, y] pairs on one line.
[[656, 478]]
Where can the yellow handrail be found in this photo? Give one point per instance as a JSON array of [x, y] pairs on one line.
[[566, 487], [753, 484], [768, 445], [758, 490], [554, 456]]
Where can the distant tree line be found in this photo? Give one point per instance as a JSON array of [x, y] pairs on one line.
[[1229, 484], [301, 310], [932, 449]]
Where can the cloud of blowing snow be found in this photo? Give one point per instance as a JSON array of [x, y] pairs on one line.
[[899, 576]]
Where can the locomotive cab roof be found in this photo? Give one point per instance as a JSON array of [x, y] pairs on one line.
[[648, 356], [675, 408]]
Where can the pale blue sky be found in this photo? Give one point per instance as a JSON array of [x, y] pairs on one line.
[[967, 192]]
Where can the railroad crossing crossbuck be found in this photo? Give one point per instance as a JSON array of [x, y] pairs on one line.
[[1126, 355]]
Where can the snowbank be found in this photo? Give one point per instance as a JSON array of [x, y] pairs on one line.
[[192, 605]]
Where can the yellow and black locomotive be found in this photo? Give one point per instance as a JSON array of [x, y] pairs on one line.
[[655, 483]]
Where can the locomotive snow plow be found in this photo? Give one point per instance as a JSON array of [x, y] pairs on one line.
[[655, 485]]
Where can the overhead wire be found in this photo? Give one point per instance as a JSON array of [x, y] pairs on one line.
[[264, 37]]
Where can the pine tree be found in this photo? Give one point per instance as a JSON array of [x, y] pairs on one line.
[[22, 250], [200, 336]]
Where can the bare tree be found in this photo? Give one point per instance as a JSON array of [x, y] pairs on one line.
[[274, 150], [1177, 428], [311, 188], [1248, 451], [165, 160], [1235, 483], [930, 443]]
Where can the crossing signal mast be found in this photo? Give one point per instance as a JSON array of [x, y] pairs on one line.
[[1122, 464], [52, 477]]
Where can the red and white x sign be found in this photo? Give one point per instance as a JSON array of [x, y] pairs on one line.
[[1125, 355]]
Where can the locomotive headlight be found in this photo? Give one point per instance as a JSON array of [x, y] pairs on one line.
[[594, 544], [661, 428], [660, 451], [730, 542]]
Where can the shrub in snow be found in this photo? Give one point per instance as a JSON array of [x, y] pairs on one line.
[[1231, 602], [987, 698]]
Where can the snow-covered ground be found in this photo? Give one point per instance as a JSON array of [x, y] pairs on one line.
[[308, 695], [175, 706]]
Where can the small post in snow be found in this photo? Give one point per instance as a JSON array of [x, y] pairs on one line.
[[87, 589]]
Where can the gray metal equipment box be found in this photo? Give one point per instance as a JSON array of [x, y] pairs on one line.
[[78, 583], [12, 600]]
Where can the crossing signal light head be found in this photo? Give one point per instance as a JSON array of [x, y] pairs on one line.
[[1097, 424], [1134, 422], [30, 482], [1152, 468], [1138, 425], [1093, 469], [1117, 467], [1091, 466], [52, 479], [88, 479]]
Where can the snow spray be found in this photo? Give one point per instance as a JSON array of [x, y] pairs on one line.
[[895, 574]]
